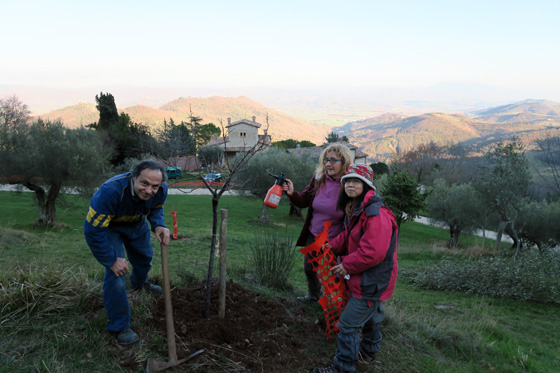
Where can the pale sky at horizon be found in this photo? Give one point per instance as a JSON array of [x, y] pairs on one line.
[[295, 44]]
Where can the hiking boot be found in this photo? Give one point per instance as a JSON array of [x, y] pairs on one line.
[[127, 337], [366, 357], [307, 298], [150, 288], [330, 369]]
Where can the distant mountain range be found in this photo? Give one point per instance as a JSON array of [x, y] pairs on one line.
[[378, 136], [527, 111], [212, 110]]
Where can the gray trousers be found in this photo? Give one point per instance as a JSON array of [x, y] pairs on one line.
[[358, 314]]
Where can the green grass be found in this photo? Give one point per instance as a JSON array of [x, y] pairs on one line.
[[424, 331], [460, 332]]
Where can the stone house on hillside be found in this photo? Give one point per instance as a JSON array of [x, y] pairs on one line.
[[315, 152], [241, 136]]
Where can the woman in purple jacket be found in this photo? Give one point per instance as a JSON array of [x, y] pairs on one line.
[[320, 198], [368, 246]]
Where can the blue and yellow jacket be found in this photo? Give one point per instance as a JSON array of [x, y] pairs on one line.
[[114, 204]]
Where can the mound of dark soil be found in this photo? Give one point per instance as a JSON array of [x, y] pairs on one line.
[[256, 335]]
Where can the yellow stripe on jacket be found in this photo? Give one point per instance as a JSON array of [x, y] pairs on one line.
[[106, 219]]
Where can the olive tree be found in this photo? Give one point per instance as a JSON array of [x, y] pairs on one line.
[[255, 180], [503, 182], [48, 159], [455, 206]]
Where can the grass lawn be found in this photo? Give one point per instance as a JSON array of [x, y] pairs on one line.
[[424, 330]]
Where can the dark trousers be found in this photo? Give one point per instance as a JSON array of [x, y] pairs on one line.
[[313, 284], [136, 241], [358, 315]]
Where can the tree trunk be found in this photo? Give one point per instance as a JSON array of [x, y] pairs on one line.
[[50, 206], [516, 240], [208, 292], [455, 233], [483, 227], [539, 246], [45, 203], [512, 234], [295, 211], [42, 218], [264, 215], [499, 234]]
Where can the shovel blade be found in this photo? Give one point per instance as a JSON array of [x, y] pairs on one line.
[[158, 366]]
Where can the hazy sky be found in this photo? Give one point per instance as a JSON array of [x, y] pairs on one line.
[[280, 43]]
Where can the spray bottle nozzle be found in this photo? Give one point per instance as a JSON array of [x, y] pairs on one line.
[[279, 179]]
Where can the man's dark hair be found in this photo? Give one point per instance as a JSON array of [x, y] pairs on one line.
[[149, 164]]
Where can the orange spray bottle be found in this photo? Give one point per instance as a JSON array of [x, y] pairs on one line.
[[274, 194]]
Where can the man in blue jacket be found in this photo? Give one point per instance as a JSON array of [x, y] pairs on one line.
[[116, 220]]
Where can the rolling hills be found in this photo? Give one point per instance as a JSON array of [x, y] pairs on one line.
[[74, 116], [378, 136], [212, 110], [527, 111]]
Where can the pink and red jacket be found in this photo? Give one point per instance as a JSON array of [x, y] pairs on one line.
[[368, 247]]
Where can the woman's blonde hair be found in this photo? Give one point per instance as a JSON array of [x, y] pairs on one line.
[[341, 152]]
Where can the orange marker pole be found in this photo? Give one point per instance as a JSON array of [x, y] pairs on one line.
[[175, 227]]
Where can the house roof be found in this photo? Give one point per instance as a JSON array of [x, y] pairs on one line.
[[360, 154], [245, 121], [217, 140]]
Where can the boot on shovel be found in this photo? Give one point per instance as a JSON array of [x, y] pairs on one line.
[[157, 365]]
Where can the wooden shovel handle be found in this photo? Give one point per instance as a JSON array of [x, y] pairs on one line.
[[168, 307]]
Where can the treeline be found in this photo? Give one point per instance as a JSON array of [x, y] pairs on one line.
[[48, 158], [501, 191], [133, 140]]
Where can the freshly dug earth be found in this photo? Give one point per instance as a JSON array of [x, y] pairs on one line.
[[256, 335]]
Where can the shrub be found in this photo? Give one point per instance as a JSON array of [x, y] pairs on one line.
[[531, 277], [273, 258], [538, 224], [35, 293]]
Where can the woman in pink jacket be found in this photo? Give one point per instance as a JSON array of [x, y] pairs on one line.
[[368, 246]]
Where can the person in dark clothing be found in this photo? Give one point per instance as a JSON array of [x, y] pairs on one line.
[[320, 198], [117, 217], [368, 246]]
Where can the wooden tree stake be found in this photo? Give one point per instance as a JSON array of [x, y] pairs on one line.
[[223, 240]]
